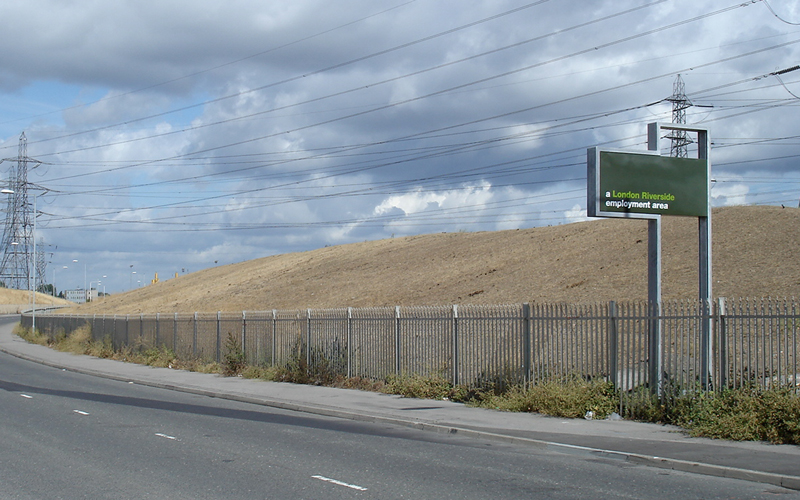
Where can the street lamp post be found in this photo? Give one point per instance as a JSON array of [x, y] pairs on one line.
[[62, 267], [84, 275], [33, 266], [89, 291]]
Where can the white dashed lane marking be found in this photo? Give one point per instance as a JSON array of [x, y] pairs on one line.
[[79, 412], [166, 436], [340, 483], [26, 396]]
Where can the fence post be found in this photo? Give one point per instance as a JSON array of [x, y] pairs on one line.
[[274, 333], [175, 334], [219, 337], [723, 342], [308, 339], [455, 345], [194, 336], [656, 368], [526, 343], [158, 329], [127, 330], [349, 341], [244, 334], [612, 343], [397, 340], [705, 343]]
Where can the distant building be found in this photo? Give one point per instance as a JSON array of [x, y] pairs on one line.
[[80, 296]]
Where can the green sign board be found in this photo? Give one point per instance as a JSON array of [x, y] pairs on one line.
[[625, 184]]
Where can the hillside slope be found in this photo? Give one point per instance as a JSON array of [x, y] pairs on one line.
[[24, 300], [754, 253]]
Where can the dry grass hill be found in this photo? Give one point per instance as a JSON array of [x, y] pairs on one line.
[[755, 254], [14, 301]]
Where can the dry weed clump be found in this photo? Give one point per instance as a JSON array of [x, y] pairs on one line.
[[741, 414], [572, 397], [28, 335]]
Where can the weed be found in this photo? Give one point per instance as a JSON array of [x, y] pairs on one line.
[[417, 386], [741, 414], [160, 357], [571, 397], [101, 349], [78, 342], [30, 336], [261, 373], [233, 362]]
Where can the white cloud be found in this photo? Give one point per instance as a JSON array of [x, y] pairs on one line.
[[275, 126], [576, 214], [730, 194]]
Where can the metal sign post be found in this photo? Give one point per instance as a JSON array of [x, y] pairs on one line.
[[704, 239], [647, 185]]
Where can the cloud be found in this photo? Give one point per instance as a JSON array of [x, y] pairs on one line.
[[176, 134]]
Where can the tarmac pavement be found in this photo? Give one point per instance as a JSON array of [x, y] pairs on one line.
[[635, 442]]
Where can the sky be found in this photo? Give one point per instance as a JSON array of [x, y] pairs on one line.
[[170, 136]]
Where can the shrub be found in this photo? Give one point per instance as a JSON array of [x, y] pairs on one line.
[[741, 414], [160, 357], [30, 336], [77, 342], [570, 398], [233, 361], [417, 386]]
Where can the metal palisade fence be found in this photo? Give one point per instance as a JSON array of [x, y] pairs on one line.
[[491, 346]]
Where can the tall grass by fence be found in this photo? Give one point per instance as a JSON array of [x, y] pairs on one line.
[[634, 345]]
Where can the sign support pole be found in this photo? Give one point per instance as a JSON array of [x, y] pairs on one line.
[[704, 230], [647, 186], [654, 304], [704, 243], [654, 284]]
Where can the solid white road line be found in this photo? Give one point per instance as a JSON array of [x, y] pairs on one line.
[[340, 483]]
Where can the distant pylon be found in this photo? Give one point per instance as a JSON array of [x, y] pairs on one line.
[[679, 140], [41, 265], [18, 264]]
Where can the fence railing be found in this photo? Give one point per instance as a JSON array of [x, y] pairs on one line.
[[634, 345]]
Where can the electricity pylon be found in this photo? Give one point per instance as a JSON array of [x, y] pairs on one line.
[[18, 265], [679, 139]]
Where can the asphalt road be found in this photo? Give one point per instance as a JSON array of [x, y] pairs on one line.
[[66, 435]]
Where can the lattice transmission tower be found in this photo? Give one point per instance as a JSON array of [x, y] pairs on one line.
[[18, 264], [679, 139], [41, 265]]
